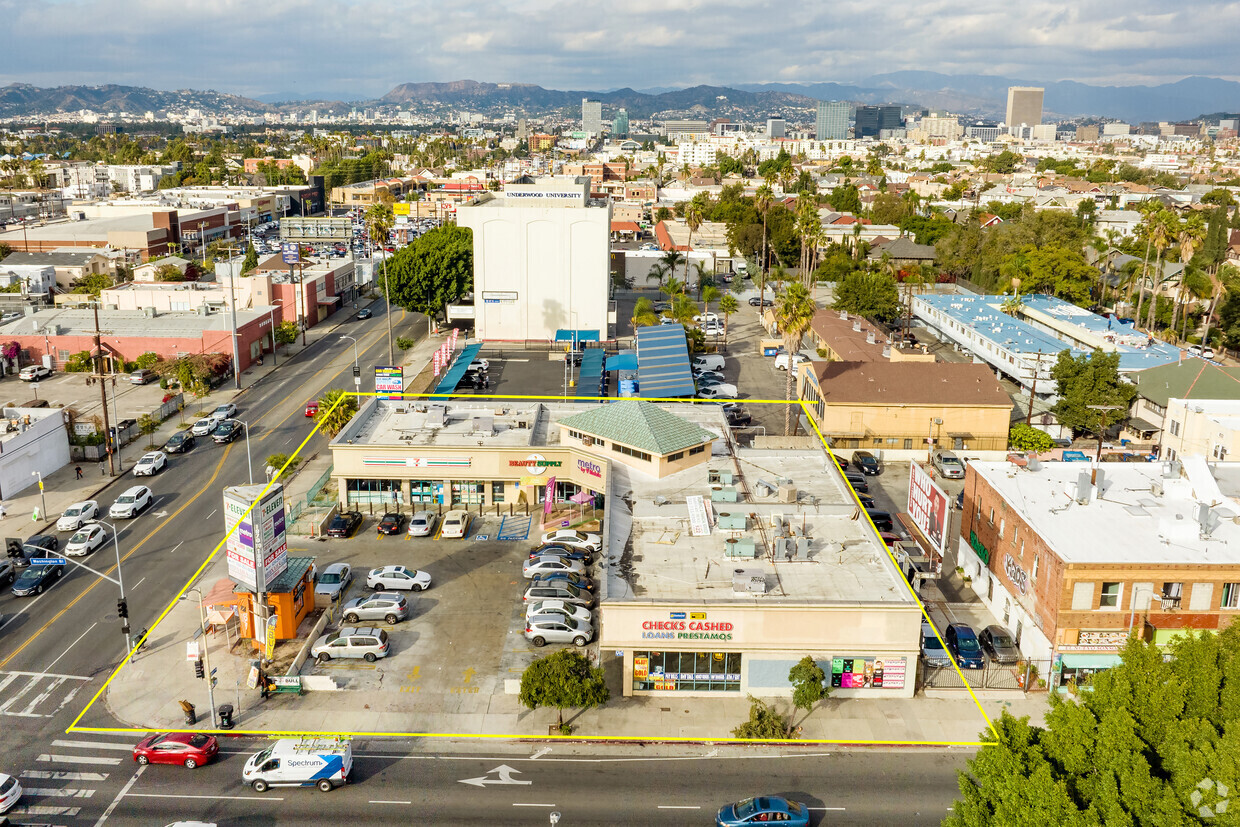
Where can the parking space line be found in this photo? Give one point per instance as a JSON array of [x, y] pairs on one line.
[[389, 802]]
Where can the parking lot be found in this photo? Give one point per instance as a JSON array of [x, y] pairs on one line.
[[464, 636]]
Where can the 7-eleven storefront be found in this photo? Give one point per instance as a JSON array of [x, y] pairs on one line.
[[478, 479]]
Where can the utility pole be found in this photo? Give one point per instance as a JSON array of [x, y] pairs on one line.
[[103, 394], [1102, 428], [232, 293], [1033, 388]]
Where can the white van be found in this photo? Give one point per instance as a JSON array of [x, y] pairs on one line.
[[300, 762], [708, 361]]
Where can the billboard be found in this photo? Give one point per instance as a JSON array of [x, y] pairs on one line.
[[927, 507], [290, 253], [316, 230], [258, 549], [390, 379]]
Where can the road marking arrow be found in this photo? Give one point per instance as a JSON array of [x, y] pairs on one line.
[[161, 514], [540, 753], [505, 773]]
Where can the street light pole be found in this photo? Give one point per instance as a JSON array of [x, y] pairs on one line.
[[357, 371], [42, 499], [248, 463], [206, 655]]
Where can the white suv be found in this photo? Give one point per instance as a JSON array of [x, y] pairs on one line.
[[131, 503], [553, 628]]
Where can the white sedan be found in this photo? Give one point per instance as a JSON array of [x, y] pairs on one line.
[[455, 524], [78, 515], [574, 539], [87, 540], [558, 607], [10, 791], [397, 577], [551, 564], [203, 427], [421, 524], [150, 464]]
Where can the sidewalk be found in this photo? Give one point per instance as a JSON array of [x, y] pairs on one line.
[[62, 488]]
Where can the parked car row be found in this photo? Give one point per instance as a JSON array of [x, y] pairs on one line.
[[383, 603], [559, 597], [969, 649]]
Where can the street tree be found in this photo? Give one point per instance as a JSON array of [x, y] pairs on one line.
[[809, 684], [766, 723], [727, 306], [1089, 379], [434, 271], [563, 680], [147, 426], [1153, 742], [250, 263], [336, 408], [285, 333]]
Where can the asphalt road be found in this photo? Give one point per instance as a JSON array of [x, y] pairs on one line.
[[57, 649], [388, 788]]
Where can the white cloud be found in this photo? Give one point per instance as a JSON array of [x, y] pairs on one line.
[[361, 48]]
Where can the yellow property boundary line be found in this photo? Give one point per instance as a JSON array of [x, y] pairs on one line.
[[73, 727]]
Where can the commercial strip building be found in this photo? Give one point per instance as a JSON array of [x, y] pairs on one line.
[[1073, 566], [903, 410], [724, 566], [1032, 338], [541, 262], [52, 336]]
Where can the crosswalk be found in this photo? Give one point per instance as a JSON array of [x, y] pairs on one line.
[[65, 778], [37, 694]]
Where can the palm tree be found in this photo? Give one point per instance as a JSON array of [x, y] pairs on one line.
[[657, 273], [762, 201], [332, 416], [693, 220], [1160, 237], [807, 218], [379, 220], [794, 310], [1190, 239], [643, 314], [671, 288], [727, 306], [704, 278], [707, 295]]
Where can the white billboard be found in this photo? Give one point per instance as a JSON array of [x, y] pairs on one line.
[[258, 549], [927, 507]]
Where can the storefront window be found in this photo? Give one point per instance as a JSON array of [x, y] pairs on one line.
[[497, 491], [687, 671], [468, 492], [373, 491], [421, 491]]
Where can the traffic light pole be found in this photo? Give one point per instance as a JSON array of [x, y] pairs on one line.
[[122, 606]]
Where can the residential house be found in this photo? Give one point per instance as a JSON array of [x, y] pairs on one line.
[[1190, 379]]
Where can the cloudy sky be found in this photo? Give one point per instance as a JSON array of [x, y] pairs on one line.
[[360, 49]]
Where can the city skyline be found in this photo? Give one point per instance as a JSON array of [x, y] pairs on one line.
[[599, 48]]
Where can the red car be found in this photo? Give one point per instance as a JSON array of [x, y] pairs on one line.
[[312, 408], [189, 749]]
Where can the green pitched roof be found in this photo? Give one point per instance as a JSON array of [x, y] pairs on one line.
[[1191, 378], [639, 424]]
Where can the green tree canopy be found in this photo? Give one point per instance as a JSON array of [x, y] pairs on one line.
[[564, 680], [91, 285], [1022, 437], [1004, 162], [1154, 742], [1219, 196], [434, 271], [873, 295], [809, 684], [1089, 379], [336, 408], [846, 198]]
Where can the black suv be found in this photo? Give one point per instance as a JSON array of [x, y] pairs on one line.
[[866, 463], [226, 431]]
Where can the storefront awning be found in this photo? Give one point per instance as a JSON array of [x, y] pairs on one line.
[[591, 374], [1089, 660], [328, 301], [1139, 425], [453, 376]]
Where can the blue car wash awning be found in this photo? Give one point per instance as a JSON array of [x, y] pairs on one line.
[[456, 371], [591, 375], [663, 362], [622, 361], [563, 335]]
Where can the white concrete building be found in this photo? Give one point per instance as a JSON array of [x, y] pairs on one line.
[[540, 260], [31, 440]]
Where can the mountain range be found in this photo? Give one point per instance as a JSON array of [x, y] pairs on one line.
[[969, 95]]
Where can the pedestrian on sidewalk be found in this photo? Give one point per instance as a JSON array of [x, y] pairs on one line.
[[77, 469], [4, 511]]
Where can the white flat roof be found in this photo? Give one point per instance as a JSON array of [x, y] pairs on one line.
[[1128, 524], [847, 563]]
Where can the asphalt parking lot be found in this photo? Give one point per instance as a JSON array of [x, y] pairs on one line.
[[464, 636]]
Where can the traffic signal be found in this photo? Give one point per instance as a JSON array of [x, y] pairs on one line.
[[122, 609], [199, 672]]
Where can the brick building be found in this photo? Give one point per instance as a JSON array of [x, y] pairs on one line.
[[1072, 567]]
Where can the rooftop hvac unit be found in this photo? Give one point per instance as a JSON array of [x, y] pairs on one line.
[[436, 415], [1207, 520], [748, 581], [740, 547], [787, 493], [1081, 490], [1156, 488], [764, 489]]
